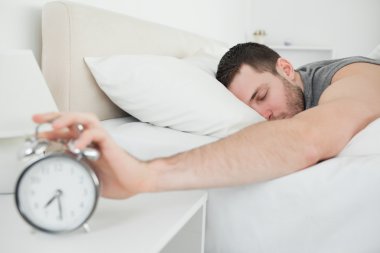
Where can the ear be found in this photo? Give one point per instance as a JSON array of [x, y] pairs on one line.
[[285, 68]]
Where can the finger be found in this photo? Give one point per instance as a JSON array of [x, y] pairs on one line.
[[75, 130], [45, 117], [93, 135], [68, 119], [63, 134]]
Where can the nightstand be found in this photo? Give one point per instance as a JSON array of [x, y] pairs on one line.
[[299, 56], [155, 222]]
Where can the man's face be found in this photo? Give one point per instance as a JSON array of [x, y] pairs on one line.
[[272, 96]]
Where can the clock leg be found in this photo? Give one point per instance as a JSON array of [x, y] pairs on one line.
[[86, 228]]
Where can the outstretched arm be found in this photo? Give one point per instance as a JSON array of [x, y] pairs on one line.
[[259, 152], [272, 149]]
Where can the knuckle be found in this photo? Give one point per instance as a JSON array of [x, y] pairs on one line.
[[93, 117]]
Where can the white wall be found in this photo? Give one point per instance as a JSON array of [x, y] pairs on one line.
[[350, 27], [224, 20]]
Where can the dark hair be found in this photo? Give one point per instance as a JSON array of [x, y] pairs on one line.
[[258, 56]]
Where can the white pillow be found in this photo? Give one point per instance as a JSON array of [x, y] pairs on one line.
[[169, 92], [146, 141], [375, 53], [206, 62]]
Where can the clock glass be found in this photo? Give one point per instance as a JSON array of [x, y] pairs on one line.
[[57, 193]]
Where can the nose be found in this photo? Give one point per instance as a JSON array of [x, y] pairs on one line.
[[263, 111], [267, 115]]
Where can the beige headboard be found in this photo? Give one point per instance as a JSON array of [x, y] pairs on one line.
[[71, 31]]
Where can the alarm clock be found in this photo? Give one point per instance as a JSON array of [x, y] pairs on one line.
[[58, 191]]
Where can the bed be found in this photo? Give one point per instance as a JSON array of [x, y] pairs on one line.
[[330, 207]]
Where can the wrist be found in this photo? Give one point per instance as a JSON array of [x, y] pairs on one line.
[[154, 169], [169, 174]]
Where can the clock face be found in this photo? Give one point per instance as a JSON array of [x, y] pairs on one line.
[[57, 193]]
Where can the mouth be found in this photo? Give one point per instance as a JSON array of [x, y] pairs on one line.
[[281, 116]]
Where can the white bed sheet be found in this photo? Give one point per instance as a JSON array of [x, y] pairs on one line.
[[146, 141], [330, 207]]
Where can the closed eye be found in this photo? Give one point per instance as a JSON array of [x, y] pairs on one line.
[[253, 95], [262, 95]]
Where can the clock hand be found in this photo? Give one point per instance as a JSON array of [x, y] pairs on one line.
[[59, 194], [51, 200]]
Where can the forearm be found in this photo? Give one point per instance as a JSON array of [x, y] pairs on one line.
[[260, 152]]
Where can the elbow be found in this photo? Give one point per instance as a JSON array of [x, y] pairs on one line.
[[312, 154], [313, 148]]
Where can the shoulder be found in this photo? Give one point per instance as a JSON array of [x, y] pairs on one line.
[[345, 108], [358, 66], [351, 90], [358, 80]]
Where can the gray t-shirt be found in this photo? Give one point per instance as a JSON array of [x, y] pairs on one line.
[[317, 76]]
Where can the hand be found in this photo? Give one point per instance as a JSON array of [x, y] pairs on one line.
[[120, 174]]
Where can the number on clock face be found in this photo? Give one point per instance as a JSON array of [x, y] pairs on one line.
[[57, 194]]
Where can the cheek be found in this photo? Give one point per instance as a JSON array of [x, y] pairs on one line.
[[277, 100], [252, 104], [282, 98]]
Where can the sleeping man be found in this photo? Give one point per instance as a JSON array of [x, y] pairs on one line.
[[311, 112]]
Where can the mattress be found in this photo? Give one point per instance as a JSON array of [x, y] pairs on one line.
[[332, 206]]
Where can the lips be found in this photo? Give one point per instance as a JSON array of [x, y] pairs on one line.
[[281, 116]]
